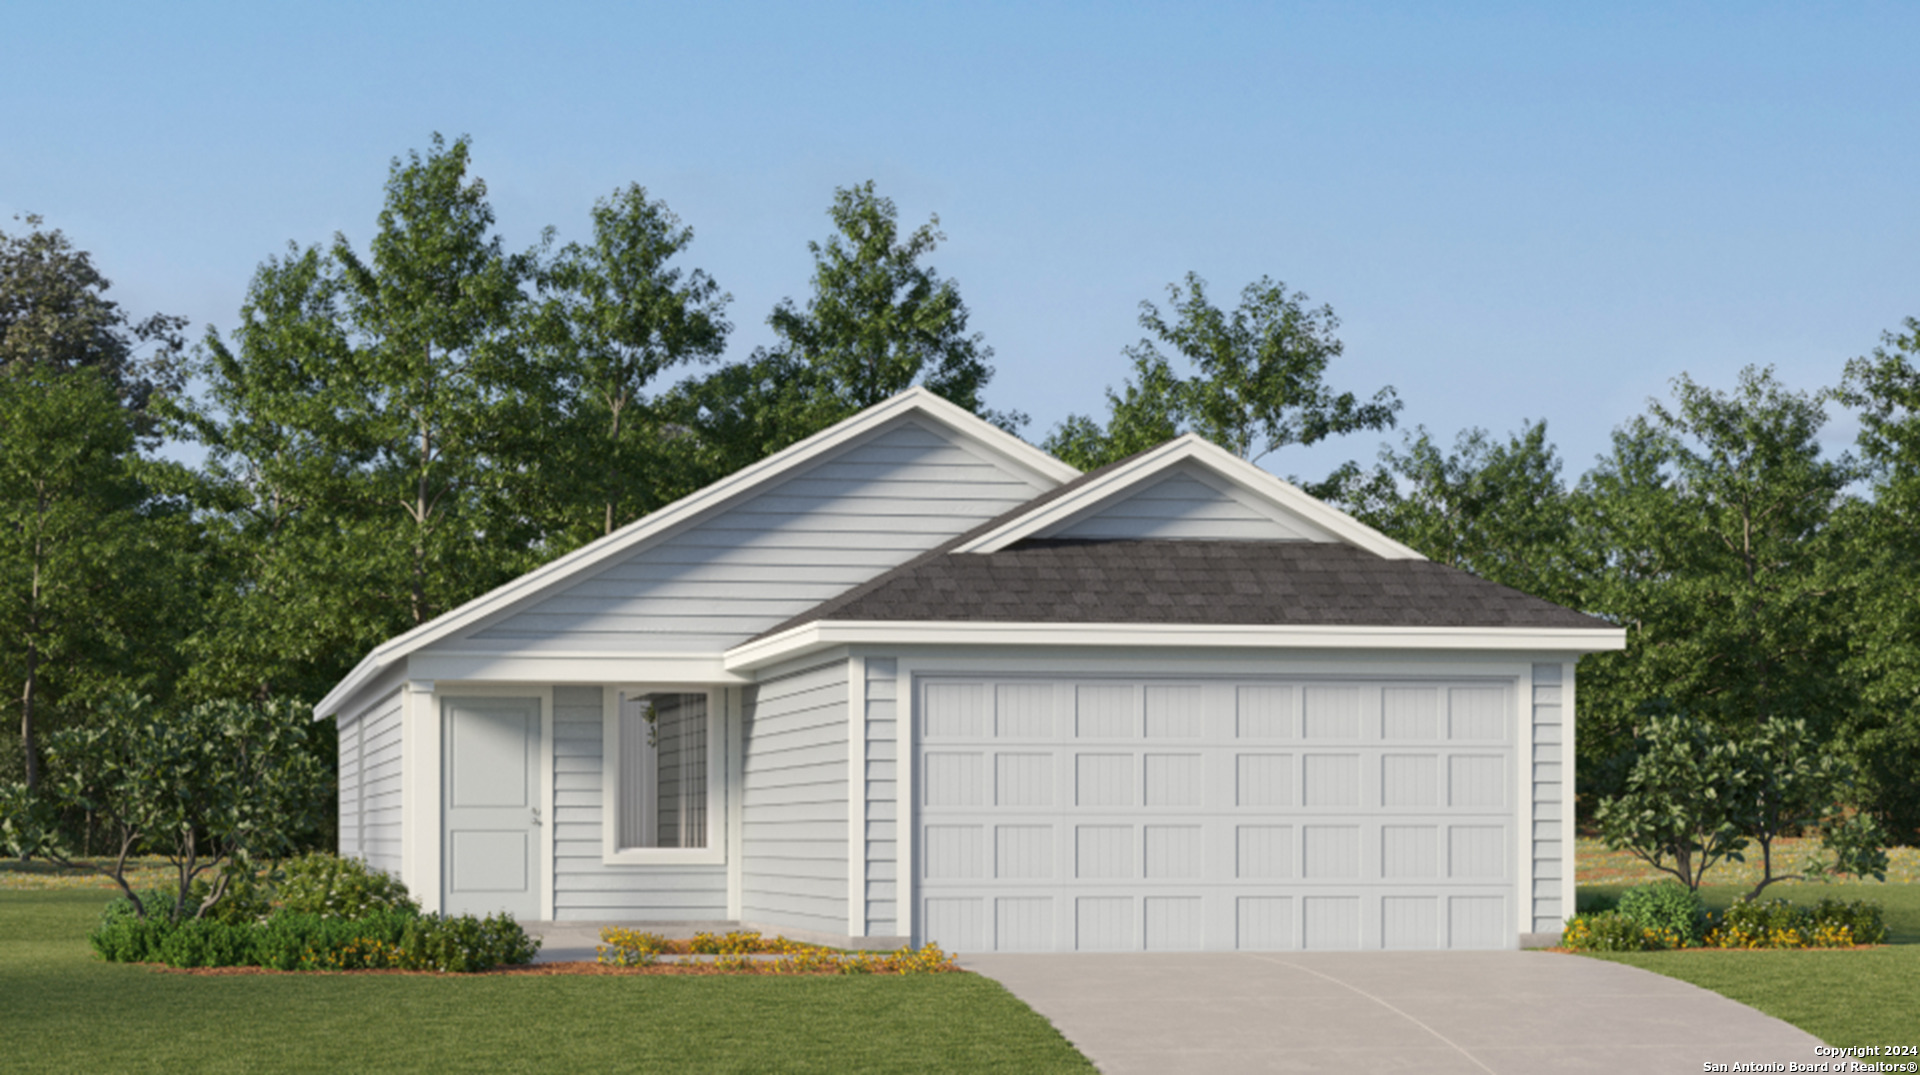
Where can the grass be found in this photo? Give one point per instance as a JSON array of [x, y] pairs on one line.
[[1855, 997], [79, 1013]]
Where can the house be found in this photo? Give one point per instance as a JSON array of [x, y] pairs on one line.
[[913, 678]]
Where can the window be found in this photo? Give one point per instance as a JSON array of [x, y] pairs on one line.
[[662, 757]]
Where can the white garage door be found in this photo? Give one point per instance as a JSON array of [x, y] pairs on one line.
[[1128, 815]]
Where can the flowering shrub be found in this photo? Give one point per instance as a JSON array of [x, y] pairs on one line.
[[735, 954], [629, 948], [324, 884], [1778, 924], [1612, 931], [1772, 923], [738, 942]]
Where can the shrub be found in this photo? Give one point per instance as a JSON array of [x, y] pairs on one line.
[[326, 884], [1595, 902], [465, 944], [737, 943], [1861, 919], [245, 899], [1666, 907], [207, 942], [1612, 931], [1761, 924], [292, 940], [1778, 924], [122, 936], [629, 948]]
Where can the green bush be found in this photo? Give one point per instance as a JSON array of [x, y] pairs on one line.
[[1595, 902], [1666, 907], [207, 942], [1779, 924], [465, 944], [289, 940], [1861, 918], [335, 887], [1612, 931], [296, 941], [246, 900], [122, 936]]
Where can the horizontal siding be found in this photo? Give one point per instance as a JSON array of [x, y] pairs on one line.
[[795, 795], [380, 785], [584, 886], [811, 536], [1182, 506], [349, 781]]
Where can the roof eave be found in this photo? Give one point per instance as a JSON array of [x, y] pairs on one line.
[[588, 557], [825, 634]]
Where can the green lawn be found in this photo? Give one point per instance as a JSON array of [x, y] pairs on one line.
[[1867, 997], [67, 1011]]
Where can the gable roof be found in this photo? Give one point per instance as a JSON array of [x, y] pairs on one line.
[[1295, 514], [915, 403]]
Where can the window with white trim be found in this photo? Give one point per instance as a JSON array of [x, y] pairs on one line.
[[663, 773]]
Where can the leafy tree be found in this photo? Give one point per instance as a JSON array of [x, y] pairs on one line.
[[1497, 509], [55, 316], [1258, 383], [879, 321], [207, 785], [614, 317], [1707, 533], [359, 435], [90, 556], [1883, 661], [1694, 796]]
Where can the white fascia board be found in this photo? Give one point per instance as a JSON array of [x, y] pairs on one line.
[[1047, 471], [580, 668], [1194, 448], [822, 634]]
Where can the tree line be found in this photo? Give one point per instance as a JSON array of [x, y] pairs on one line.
[[389, 432]]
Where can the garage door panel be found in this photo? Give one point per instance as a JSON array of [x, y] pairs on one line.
[[1264, 712], [1173, 815]]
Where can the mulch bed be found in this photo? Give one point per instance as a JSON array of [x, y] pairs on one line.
[[537, 969]]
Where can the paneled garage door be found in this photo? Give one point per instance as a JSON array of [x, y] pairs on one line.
[[1128, 815]]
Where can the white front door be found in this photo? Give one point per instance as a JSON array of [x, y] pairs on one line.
[[491, 796]]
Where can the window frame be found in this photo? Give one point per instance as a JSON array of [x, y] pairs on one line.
[[611, 784]]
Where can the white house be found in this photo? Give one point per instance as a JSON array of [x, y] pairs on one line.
[[914, 678]]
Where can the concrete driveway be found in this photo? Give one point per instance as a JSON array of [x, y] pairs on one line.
[[1387, 1011]]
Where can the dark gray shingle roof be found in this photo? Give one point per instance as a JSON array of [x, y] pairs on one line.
[[1250, 583]]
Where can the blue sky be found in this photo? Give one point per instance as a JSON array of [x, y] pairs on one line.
[[1541, 211]]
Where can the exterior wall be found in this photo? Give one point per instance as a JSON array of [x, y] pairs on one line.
[[1552, 857], [585, 888], [381, 813], [726, 578], [795, 803], [1184, 506], [881, 799], [351, 839]]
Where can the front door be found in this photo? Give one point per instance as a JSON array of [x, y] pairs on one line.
[[490, 798]]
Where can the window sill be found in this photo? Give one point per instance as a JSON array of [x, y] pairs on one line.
[[665, 856]]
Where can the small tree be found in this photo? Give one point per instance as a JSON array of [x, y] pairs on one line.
[[1794, 785], [1677, 813], [215, 784], [1694, 798]]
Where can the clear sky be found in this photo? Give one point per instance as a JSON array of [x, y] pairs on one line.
[[1518, 211]]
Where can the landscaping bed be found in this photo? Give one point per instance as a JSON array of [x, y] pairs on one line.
[[81, 1013]]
